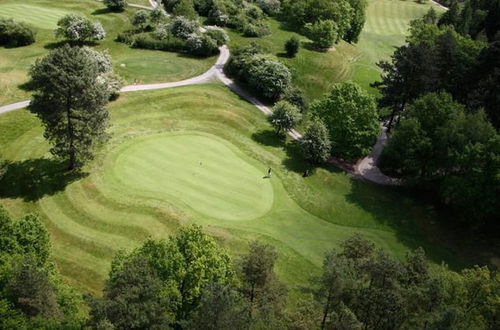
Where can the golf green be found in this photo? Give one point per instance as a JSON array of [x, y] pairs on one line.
[[201, 171]]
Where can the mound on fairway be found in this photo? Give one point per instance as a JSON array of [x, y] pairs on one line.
[[200, 171]]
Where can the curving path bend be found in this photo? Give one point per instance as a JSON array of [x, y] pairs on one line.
[[366, 168]]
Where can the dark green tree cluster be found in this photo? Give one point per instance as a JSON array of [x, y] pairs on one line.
[[350, 115], [361, 287], [15, 34], [476, 18], [188, 282], [72, 86], [285, 116], [343, 18], [262, 72], [33, 294], [445, 143]]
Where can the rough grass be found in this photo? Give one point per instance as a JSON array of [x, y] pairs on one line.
[[144, 184], [134, 65]]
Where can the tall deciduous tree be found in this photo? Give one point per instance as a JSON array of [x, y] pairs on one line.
[[315, 144], [350, 114], [70, 98], [284, 117]]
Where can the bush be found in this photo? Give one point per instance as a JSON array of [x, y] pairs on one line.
[[183, 28], [219, 35], [15, 34], [284, 117], [201, 45], [270, 7], [116, 5], [295, 96], [257, 29], [78, 28], [322, 33], [185, 8], [315, 145], [140, 19], [292, 46], [157, 15]]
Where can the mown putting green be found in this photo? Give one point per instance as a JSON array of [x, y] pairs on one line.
[[202, 172]]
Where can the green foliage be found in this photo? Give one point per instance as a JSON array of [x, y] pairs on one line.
[[257, 29], [324, 34], [69, 99], [157, 15], [292, 46], [11, 318], [439, 145], [31, 291], [284, 117], [116, 5], [185, 8], [140, 19], [351, 116], [79, 29], [219, 35], [270, 7], [357, 21], [221, 308], [183, 28], [15, 34], [201, 45], [33, 239], [133, 299], [295, 96], [315, 144]]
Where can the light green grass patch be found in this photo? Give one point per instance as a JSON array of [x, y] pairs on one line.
[[200, 171], [42, 17]]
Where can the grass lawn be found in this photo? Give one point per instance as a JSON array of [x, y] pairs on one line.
[[386, 24], [134, 65], [198, 154]]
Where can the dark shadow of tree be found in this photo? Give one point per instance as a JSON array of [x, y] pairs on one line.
[[269, 138], [398, 209], [57, 44], [34, 178], [296, 163], [102, 11]]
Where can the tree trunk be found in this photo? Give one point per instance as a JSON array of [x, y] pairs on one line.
[[327, 308]]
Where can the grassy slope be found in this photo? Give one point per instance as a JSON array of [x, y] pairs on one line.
[[386, 24], [134, 65], [127, 194]]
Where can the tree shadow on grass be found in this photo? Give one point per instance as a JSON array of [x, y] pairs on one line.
[[57, 44], [296, 163], [34, 178], [269, 138], [101, 11], [413, 221]]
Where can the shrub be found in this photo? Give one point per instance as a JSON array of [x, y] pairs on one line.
[[157, 15], [253, 12], [268, 76], [15, 34], [270, 7], [315, 145], [182, 28], [292, 46], [284, 117], [115, 5], [322, 33], [78, 28], [295, 96], [219, 35], [185, 8], [201, 45], [140, 19], [257, 29]]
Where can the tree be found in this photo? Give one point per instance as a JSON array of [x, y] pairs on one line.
[[183, 28], [257, 270], [292, 46], [157, 15], [15, 34], [140, 19], [295, 96], [31, 291], [284, 117], [70, 98], [323, 33], [116, 5], [79, 29], [357, 20], [221, 307], [33, 239], [133, 299], [268, 76], [351, 116], [185, 8], [315, 144]]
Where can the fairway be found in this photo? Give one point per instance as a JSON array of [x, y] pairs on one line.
[[200, 171], [39, 16]]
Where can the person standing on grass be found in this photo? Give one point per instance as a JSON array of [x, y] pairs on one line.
[[269, 172]]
